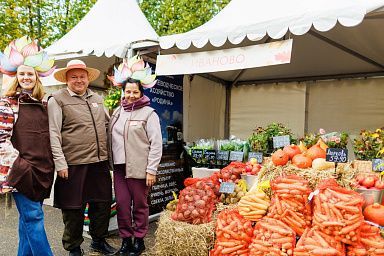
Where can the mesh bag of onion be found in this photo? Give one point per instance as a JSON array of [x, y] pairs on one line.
[[196, 204]]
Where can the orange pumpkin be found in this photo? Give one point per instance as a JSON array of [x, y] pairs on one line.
[[315, 152], [302, 161], [280, 158], [292, 150], [375, 213]]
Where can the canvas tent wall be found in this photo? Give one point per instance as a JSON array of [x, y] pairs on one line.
[[331, 40]]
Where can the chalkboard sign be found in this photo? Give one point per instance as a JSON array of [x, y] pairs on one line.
[[281, 141], [197, 155], [236, 156], [227, 187], [378, 165], [210, 157], [222, 157], [337, 155], [257, 155]]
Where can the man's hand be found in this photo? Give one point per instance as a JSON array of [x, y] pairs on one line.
[[63, 174], [150, 180]]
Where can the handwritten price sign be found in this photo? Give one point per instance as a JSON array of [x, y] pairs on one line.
[[337, 155]]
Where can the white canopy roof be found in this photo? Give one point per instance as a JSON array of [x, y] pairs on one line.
[[108, 28], [330, 38], [255, 19]]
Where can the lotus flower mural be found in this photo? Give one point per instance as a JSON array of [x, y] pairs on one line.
[[25, 51], [136, 69]]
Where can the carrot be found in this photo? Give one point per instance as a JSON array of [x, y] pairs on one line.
[[325, 252], [274, 228], [232, 249], [333, 223], [228, 243], [292, 187], [320, 239], [341, 196], [353, 209], [372, 243], [350, 228]]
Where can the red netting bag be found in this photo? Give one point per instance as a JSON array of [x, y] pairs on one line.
[[338, 212], [273, 238], [233, 234], [196, 204], [290, 202]]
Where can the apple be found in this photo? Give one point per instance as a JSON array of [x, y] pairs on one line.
[[248, 168], [253, 161], [379, 184], [368, 182]]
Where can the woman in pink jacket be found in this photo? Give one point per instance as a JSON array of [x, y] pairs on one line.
[[136, 150]]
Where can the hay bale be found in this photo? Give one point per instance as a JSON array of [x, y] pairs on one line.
[[344, 174], [176, 238]]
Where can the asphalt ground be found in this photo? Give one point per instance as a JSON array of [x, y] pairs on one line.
[[54, 227]]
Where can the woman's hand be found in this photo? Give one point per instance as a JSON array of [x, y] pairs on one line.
[[150, 180]]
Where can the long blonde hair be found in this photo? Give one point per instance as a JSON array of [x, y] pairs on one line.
[[37, 92]]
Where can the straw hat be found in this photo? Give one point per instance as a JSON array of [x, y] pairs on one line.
[[60, 75]]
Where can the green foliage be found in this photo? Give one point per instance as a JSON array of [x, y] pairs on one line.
[[112, 100], [369, 145], [47, 20], [332, 139], [262, 138], [171, 17]]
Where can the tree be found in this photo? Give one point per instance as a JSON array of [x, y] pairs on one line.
[[178, 16], [46, 20]]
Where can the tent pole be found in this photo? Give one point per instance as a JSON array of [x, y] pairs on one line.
[[307, 88], [228, 89], [345, 49]]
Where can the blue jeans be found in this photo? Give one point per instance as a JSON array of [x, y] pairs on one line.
[[32, 237]]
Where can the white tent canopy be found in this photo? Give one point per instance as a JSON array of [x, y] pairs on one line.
[[108, 28], [330, 38]]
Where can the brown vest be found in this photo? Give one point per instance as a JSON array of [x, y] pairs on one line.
[[32, 172], [83, 131], [135, 140]]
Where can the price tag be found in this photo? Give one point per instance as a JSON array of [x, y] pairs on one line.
[[257, 155], [210, 156], [236, 156], [222, 157], [378, 165], [227, 187], [281, 141], [197, 155], [337, 155]]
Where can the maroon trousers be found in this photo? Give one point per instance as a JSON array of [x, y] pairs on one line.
[[132, 206]]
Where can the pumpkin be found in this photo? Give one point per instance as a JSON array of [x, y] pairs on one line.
[[302, 161], [315, 152], [321, 164], [302, 147], [375, 213], [322, 144], [280, 158], [291, 150]]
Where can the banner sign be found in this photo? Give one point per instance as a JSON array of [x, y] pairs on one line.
[[261, 55], [167, 99]]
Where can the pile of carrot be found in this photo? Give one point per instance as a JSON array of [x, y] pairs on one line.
[[290, 202], [371, 242], [338, 212], [254, 205], [233, 234], [316, 243], [272, 237]]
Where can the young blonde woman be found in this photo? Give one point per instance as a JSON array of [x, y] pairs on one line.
[[26, 163]]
